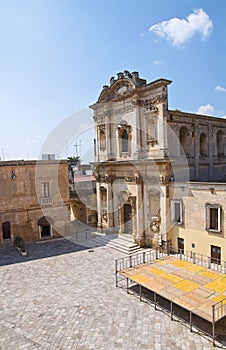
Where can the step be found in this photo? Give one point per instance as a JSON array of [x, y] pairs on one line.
[[126, 246], [126, 237]]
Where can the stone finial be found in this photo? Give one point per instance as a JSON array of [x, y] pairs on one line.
[[120, 75], [135, 75], [112, 80], [127, 74]]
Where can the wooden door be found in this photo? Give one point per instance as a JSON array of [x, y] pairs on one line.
[[180, 244], [215, 254], [127, 214], [6, 232]]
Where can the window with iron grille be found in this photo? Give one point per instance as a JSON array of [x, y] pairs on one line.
[[213, 218], [45, 190]]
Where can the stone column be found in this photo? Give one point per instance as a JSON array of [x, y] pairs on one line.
[[99, 209], [137, 139], [161, 130], [109, 203], [163, 212], [139, 213], [134, 217]]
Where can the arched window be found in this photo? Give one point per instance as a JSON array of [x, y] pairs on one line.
[[203, 145], [102, 139], [184, 141], [125, 141], [220, 143]]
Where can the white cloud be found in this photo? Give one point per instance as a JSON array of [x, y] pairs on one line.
[[220, 88], [179, 31], [207, 110], [158, 62]]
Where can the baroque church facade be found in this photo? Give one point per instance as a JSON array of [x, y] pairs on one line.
[[146, 159]]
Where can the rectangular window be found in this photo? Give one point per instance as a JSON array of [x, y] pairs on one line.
[[45, 190], [213, 218], [176, 212]]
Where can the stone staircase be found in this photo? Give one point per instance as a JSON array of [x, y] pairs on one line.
[[123, 243]]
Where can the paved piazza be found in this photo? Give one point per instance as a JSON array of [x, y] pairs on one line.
[[64, 297]]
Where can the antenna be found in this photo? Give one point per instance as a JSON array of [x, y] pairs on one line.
[[77, 147]]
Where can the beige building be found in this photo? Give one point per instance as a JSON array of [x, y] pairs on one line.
[[143, 152], [83, 199], [34, 199], [197, 218]]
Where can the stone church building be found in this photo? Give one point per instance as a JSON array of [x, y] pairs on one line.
[[151, 162]]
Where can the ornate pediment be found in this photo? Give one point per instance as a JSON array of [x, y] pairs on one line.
[[118, 89], [124, 84]]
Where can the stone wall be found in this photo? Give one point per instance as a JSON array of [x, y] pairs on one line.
[[22, 204], [204, 144]]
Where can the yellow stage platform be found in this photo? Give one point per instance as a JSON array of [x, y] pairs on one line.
[[190, 286]]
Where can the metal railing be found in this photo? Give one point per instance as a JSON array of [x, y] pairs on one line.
[[189, 256], [218, 309]]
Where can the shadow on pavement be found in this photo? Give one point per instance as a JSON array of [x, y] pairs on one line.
[[37, 250]]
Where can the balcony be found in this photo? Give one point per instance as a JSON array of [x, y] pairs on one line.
[[46, 201]]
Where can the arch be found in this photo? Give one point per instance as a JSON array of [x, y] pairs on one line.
[[184, 140], [6, 230], [220, 143], [45, 227], [203, 145]]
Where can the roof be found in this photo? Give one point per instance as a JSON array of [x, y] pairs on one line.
[[83, 178]]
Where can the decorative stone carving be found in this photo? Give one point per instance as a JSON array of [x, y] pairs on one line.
[[119, 110], [152, 141], [165, 179], [129, 179], [155, 224], [147, 104], [138, 177], [96, 175], [160, 98], [109, 112], [125, 155], [105, 216], [122, 197], [100, 119]]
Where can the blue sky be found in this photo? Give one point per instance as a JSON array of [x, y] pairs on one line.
[[57, 54]]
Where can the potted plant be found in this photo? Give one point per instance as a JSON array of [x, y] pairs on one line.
[[20, 244]]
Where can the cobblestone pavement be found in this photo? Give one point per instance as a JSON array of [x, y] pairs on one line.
[[68, 300]]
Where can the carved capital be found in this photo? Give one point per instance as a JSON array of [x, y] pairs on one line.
[[165, 179], [151, 141], [147, 104]]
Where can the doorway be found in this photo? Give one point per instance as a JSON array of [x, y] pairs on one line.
[[45, 227], [215, 254], [180, 245], [127, 215], [6, 231]]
